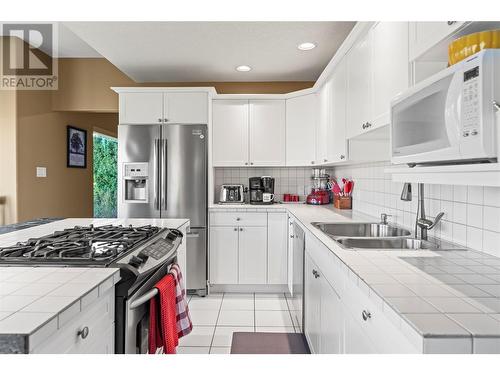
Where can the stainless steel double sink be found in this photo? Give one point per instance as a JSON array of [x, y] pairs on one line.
[[373, 236]]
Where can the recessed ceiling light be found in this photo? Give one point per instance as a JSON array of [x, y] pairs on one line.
[[306, 46], [243, 68]]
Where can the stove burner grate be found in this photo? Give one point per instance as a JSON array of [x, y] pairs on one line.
[[101, 243]]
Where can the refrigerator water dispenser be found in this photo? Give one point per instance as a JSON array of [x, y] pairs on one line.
[[135, 180]]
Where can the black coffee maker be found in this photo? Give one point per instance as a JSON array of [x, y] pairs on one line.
[[261, 190]]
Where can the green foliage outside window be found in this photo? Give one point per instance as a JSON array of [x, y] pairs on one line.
[[105, 176]]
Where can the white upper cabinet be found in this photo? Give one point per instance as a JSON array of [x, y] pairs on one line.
[[230, 133], [424, 35], [141, 108], [301, 130], [378, 69], [267, 132], [163, 107], [359, 81], [390, 67], [337, 149], [186, 107], [324, 122]]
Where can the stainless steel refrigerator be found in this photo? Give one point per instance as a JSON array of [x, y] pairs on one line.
[[162, 173]]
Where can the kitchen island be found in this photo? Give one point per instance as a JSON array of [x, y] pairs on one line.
[[48, 309], [391, 301]]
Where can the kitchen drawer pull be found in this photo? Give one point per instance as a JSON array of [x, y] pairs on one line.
[[366, 315], [83, 333]]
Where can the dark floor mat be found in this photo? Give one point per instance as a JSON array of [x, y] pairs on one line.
[[269, 343]]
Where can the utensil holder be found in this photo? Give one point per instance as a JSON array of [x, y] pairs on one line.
[[342, 203]]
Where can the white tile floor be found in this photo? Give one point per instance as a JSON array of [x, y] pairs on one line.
[[217, 316]]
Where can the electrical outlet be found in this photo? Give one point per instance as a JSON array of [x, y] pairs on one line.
[[41, 171]]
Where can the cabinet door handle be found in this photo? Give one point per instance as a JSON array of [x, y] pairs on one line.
[[312, 162], [342, 157], [451, 23], [246, 163], [238, 219], [325, 160], [251, 163], [235, 229], [160, 120], [366, 315], [165, 119], [241, 229], [315, 273], [83, 333], [292, 236]]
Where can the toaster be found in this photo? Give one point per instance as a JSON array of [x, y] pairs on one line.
[[231, 193]]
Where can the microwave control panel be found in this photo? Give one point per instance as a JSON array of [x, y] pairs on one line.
[[470, 101]]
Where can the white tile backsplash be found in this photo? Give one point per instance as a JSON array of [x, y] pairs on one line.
[[472, 213], [292, 180]]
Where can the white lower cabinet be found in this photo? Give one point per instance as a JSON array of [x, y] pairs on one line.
[[323, 314], [224, 255], [338, 316], [277, 248], [97, 320], [355, 340], [252, 255], [312, 305], [248, 248], [331, 317]]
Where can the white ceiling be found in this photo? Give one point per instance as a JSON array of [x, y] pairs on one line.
[[207, 51]]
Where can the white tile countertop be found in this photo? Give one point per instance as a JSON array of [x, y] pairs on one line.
[[427, 294], [34, 298]]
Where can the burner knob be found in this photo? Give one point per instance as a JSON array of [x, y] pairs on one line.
[[171, 236], [135, 261]]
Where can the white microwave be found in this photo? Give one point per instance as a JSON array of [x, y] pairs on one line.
[[451, 116]]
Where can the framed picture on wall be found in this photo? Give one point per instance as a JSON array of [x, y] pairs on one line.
[[77, 147]]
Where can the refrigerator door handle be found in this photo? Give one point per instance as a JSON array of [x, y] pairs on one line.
[[156, 186], [164, 171]]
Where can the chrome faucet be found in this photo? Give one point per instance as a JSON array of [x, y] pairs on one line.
[[422, 224]]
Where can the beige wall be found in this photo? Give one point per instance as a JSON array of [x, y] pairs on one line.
[[84, 85], [65, 192], [8, 145]]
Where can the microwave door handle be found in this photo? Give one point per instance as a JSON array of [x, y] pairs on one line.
[[156, 170], [164, 170]]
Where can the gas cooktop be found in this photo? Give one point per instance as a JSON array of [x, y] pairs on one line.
[[79, 245]]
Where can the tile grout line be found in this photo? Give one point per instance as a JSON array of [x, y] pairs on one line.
[[216, 321]]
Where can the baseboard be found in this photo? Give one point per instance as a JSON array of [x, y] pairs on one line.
[[248, 288]]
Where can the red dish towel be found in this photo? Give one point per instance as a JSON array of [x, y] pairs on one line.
[[184, 325], [163, 317]]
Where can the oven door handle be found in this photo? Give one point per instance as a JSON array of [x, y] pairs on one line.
[[143, 299]]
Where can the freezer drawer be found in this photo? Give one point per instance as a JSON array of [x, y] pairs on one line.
[[196, 259]]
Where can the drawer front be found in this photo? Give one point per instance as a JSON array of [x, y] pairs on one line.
[[98, 318], [249, 219], [386, 337]]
